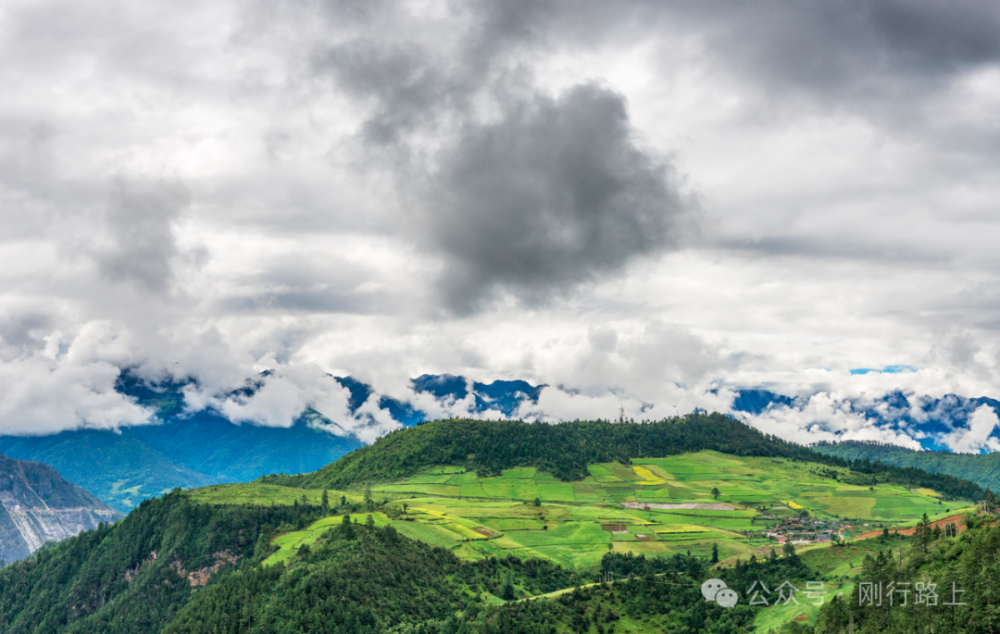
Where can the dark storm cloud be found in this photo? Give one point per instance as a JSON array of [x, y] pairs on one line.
[[544, 194], [554, 194], [140, 218]]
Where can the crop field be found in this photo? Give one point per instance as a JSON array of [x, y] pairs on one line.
[[655, 506], [289, 543], [265, 494]]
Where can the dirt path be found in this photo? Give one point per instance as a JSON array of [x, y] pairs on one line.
[[951, 519]]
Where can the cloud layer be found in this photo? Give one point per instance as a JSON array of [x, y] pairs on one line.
[[646, 203]]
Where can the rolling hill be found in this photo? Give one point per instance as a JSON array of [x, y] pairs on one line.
[[566, 450]]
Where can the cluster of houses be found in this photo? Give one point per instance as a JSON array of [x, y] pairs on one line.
[[799, 531]]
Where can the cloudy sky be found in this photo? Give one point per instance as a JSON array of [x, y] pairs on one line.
[[639, 201]]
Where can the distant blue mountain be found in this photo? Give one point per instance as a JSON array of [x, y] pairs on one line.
[[757, 401], [923, 418], [125, 466], [360, 392], [504, 396]]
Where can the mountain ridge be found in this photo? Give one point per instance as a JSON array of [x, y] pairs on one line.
[[38, 505]]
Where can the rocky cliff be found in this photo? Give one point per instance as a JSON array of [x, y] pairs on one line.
[[37, 506]]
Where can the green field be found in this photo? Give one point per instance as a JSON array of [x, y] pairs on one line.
[[289, 543], [624, 508]]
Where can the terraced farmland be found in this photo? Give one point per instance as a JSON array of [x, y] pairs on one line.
[[654, 506]]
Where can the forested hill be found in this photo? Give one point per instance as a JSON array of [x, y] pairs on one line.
[[983, 469], [565, 450]]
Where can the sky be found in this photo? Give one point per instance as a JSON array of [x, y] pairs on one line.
[[647, 203]]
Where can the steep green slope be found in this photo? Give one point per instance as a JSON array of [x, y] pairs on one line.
[[924, 583], [144, 575], [134, 575], [983, 469], [408, 587]]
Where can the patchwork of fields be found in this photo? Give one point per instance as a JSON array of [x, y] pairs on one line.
[[653, 506]]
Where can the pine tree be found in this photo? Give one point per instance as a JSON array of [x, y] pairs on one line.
[[715, 553], [325, 500], [922, 533], [507, 594]]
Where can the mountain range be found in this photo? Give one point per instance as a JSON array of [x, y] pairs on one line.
[[931, 421], [983, 469], [189, 449]]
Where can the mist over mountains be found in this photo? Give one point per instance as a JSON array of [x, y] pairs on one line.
[[190, 443]]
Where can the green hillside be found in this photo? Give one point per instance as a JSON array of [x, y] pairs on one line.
[[983, 469], [130, 470], [655, 506], [929, 583], [566, 450], [504, 547]]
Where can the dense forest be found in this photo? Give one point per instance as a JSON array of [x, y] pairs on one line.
[[566, 449], [362, 579], [927, 583], [132, 576], [145, 574], [983, 469]]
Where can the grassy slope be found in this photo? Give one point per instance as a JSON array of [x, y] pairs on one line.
[[504, 506], [446, 505]]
